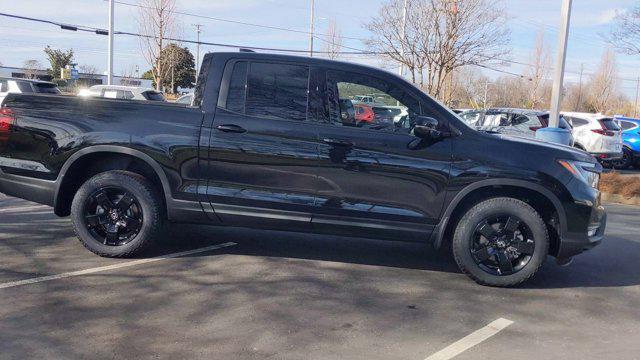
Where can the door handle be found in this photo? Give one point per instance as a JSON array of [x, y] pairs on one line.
[[339, 142], [231, 128]]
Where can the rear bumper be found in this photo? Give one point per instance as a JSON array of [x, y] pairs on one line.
[[32, 189], [607, 156]]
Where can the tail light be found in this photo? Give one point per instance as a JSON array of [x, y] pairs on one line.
[[603, 132], [7, 120], [535, 128]]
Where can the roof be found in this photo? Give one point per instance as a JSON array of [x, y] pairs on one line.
[[35, 81], [293, 58], [520, 111], [121, 87], [587, 116]]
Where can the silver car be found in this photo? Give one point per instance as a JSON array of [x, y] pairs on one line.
[[123, 92], [26, 86]]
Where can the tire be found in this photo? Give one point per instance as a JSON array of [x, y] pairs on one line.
[[113, 226], [625, 162], [530, 240]]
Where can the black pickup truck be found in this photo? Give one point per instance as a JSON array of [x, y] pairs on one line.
[[272, 142]]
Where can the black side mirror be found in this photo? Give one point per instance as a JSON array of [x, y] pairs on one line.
[[425, 128]]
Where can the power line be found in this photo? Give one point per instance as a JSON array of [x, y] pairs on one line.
[[99, 31], [237, 22]]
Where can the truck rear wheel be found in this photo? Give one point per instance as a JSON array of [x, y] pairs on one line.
[[500, 242], [117, 214]]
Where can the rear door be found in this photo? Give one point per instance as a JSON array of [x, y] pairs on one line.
[[263, 148], [377, 178]]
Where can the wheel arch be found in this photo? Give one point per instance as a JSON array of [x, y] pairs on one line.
[[542, 199], [69, 173]]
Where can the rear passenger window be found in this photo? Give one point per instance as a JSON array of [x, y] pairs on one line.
[[577, 122], [277, 91], [24, 87], [237, 88], [626, 125]]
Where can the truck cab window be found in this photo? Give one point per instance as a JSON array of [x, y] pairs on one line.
[[379, 105], [237, 88], [277, 91]]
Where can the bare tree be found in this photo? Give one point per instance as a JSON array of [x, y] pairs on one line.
[[603, 84], [87, 69], [31, 68], [158, 22], [625, 35], [332, 41], [440, 36], [537, 74]]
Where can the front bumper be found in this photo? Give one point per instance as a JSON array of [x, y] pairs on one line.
[[576, 242]]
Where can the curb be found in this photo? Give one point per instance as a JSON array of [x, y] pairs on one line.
[[615, 198]]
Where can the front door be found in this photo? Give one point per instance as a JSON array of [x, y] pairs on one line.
[[262, 155], [375, 177]]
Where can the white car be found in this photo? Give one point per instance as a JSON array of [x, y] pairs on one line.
[[597, 134], [26, 86], [122, 92]]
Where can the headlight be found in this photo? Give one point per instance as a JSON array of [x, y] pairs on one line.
[[584, 171]]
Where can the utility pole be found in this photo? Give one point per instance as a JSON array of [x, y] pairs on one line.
[[635, 108], [110, 56], [173, 66], [403, 36], [311, 26], [579, 88], [556, 94], [486, 91], [198, 31]]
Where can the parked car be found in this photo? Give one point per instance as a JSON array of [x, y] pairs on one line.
[[364, 113], [519, 122], [598, 134], [26, 86], [631, 143], [122, 93], [185, 99], [272, 145]]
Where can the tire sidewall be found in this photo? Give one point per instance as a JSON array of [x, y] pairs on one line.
[[134, 185], [499, 206]]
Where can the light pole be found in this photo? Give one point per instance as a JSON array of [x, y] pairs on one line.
[[556, 94], [403, 36], [198, 31], [313, 9], [110, 56], [635, 107]]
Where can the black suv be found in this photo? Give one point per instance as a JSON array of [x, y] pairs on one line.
[[272, 142]]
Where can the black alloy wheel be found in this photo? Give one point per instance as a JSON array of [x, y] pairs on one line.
[[113, 216], [502, 245], [500, 242]]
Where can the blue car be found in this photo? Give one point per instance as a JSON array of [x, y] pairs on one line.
[[631, 140]]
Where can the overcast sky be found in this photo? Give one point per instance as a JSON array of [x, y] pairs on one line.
[[21, 40]]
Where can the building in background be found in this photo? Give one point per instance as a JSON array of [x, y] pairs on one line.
[[84, 80]]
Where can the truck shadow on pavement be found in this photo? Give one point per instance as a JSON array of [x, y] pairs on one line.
[[610, 265]]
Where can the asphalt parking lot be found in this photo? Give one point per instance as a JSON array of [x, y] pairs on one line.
[[290, 296]]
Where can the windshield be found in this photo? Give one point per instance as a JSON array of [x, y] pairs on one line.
[[44, 88], [153, 96]]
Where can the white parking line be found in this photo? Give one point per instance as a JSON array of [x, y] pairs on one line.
[[471, 340], [112, 267], [24, 208]]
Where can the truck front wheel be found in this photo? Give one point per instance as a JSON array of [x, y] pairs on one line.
[[117, 214], [500, 242]]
